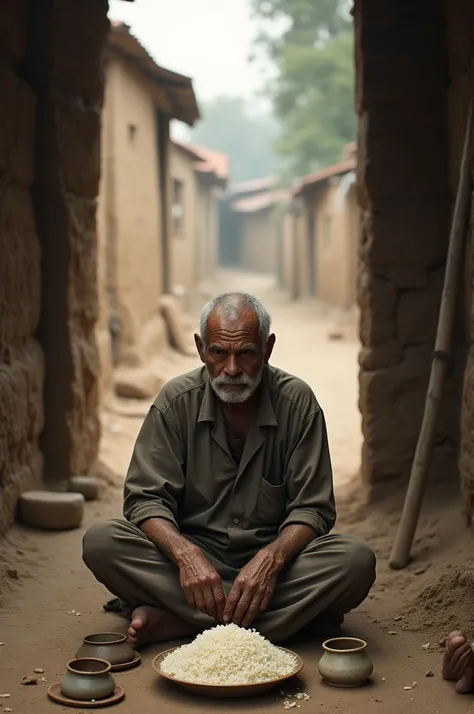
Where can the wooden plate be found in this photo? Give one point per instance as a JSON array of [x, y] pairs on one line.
[[226, 690], [54, 693]]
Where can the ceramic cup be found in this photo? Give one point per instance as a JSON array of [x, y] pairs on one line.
[[111, 646], [345, 662], [86, 679]]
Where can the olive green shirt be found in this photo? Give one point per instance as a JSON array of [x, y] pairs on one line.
[[184, 470]]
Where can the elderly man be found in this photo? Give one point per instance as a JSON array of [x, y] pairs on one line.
[[229, 499]]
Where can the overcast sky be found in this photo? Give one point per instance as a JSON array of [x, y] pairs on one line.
[[208, 40]]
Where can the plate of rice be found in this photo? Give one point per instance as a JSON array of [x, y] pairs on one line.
[[228, 661]]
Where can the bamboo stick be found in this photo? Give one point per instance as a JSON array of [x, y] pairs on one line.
[[401, 549]]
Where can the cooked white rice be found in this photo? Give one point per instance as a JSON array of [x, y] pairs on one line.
[[228, 655]]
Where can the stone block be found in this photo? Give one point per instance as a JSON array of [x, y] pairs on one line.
[[381, 356], [179, 337], [418, 312], [408, 233], [139, 383], [405, 276], [52, 511], [392, 402], [376, 298], [87, 486]]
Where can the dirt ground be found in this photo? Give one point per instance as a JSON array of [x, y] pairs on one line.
[[52, 601]]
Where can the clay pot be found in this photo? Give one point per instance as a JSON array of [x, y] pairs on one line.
[[110, 646], [345, 662], [87, 679]]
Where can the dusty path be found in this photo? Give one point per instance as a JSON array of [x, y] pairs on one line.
[[39, 629]]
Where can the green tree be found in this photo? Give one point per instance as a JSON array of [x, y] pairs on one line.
[[313, 92], [249, 141]]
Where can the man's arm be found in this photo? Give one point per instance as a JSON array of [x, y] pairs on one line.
[[309, 478], [155, 478], [199, 579], [291, 541], [154, 484]]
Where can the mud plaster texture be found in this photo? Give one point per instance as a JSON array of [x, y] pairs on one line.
[[409, 155], [21, 358], [51, 88], [41, 631]]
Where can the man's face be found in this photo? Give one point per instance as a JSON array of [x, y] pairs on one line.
[[234, 355]]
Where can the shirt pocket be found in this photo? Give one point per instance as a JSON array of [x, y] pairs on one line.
[[271, 507]]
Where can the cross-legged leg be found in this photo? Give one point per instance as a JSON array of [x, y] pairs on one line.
[[124, 560], [333, 575]]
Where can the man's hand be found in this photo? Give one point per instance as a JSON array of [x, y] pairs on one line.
[[202, 584], [253, 589]]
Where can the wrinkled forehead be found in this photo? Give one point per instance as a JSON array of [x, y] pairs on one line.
[[233, 324]]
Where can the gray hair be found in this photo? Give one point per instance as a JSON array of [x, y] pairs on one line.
[[230, 305]]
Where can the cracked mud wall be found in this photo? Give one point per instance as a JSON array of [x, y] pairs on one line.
[[51, 86], [405, 198], [67, 54], [460, 25], [21, 358]]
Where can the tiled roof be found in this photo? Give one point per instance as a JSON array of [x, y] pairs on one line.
[[261, 184], [208, 160], [323, 174], [178, 88], [260, 202]]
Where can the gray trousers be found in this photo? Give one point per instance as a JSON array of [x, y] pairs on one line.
[[333, 574]]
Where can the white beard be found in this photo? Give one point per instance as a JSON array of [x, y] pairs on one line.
[[226, 394]]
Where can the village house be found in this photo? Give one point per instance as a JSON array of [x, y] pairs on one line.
[[137, 255], [321, 235], [199, 176], [51, 92], [252, 226]]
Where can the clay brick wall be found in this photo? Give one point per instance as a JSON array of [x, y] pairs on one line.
[[21, 359], [51, 88], [67, 61], [404, 193]]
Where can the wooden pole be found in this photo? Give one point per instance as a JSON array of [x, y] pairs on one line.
[[400, 554]]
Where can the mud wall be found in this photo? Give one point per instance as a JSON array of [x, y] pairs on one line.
[[66, 50], [405, 198], [21, 358], [51, 88], [460, 26]]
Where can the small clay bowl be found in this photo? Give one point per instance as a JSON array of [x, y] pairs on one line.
[[87, 678], [110, 646], [345, 662]]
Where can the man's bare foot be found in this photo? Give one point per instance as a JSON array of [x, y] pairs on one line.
[[149, 625], [458, 662]]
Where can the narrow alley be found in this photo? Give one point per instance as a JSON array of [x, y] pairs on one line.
[[52, 601]]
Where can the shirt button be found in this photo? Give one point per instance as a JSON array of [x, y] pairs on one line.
[[236, 489], [236, 521]]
